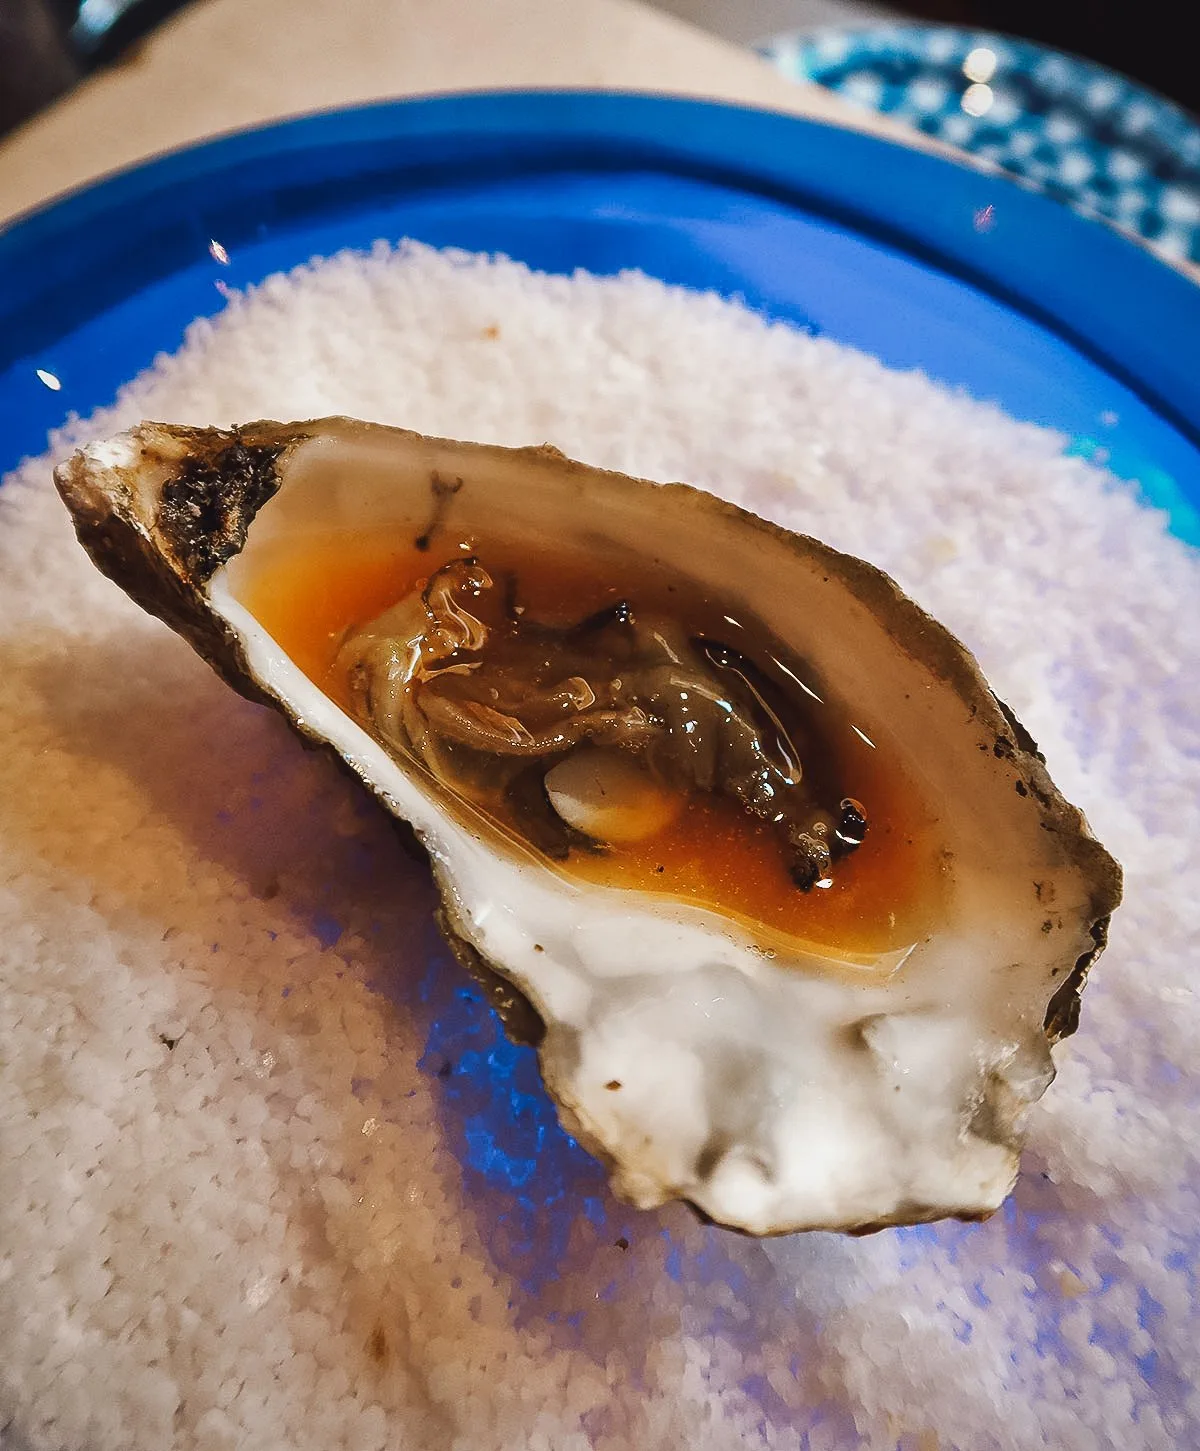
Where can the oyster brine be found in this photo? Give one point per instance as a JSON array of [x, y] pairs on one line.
[[690, 695], [597, 714]]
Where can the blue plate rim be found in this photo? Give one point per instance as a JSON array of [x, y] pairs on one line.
[[1106, 295]]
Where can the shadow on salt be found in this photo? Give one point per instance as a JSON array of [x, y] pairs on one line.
[[576, 1260], [248, 803]]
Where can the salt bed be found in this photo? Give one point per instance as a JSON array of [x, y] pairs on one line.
[[271, 1175]]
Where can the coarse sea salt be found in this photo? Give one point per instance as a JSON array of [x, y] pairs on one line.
[[272, 1176]]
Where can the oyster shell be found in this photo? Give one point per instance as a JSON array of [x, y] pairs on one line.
[[780, 1069]]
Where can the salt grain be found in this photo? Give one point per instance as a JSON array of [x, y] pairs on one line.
[[201, 1248]]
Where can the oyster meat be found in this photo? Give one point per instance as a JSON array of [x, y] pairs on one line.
[[795, 903]]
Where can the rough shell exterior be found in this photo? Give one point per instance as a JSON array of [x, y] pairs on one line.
[[824, 1100]]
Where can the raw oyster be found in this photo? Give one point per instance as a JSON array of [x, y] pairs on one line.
[[791, 892]]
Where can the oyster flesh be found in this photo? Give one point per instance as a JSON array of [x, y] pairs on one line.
[[798, 908]]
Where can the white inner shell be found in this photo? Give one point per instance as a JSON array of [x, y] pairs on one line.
[[772, 1089]]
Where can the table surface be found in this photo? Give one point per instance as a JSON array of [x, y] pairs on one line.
[[221, 65]]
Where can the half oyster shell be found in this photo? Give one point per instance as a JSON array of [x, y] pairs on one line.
[[816, 982]]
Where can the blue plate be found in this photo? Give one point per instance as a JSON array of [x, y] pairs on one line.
[[923, 262]]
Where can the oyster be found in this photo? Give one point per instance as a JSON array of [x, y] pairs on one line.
[[796, 903]]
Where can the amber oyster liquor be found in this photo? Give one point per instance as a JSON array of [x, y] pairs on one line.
[[795, 902]]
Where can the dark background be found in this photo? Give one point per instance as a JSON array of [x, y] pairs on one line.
[[1149, 40], [43, 52]]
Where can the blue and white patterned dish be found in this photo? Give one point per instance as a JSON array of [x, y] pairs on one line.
[[1072, 129]]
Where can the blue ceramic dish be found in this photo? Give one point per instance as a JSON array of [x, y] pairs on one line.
[[925, 263]]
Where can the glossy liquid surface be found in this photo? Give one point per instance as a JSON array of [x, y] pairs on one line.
[[715, 854]]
